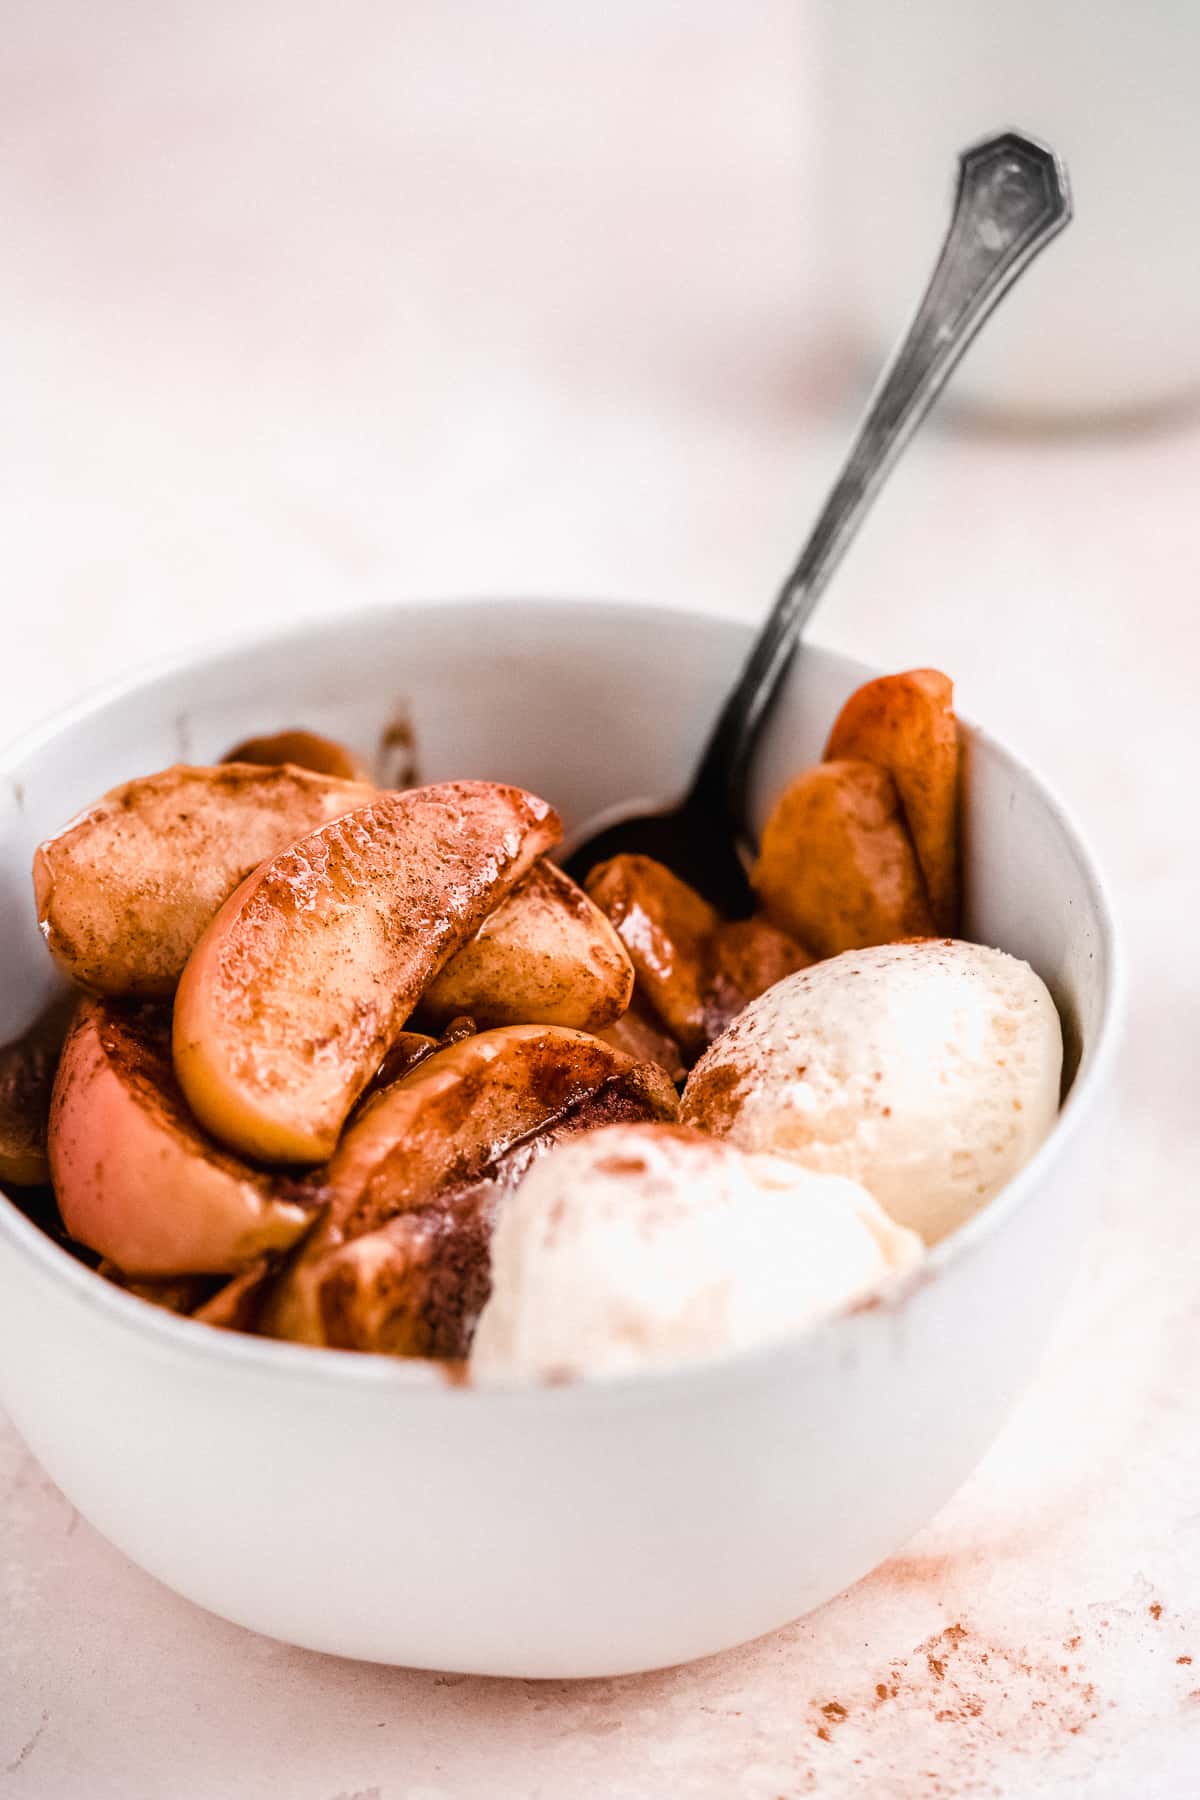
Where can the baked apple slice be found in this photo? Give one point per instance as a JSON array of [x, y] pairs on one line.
[[27, 1068], [545, 956], [231, 1301], [124, 891], [136, 1179], [695, 972], [906, 725], [639, 1035], [409, 1049], [836, 866], [181, 1294], [237, 1303], [415, 1287], [457, 1112], [748, 957], [666, 927], [299, 987], [305, 750], [399, 1260]]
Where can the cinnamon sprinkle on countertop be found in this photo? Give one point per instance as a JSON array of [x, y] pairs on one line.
[[979, 1692]]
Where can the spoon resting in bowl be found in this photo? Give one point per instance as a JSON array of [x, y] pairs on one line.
[[1012, 198]]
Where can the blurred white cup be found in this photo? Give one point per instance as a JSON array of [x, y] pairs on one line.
[[1107, 325]]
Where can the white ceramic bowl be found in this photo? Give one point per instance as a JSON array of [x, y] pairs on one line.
[[360, 1505]]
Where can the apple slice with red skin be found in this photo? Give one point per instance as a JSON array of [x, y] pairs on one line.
[[137, 1180]]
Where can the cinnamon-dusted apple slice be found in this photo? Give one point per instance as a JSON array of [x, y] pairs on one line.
[[666, 927], [751, 955], [174, 1293], [640, 1035], [238, 1302], [136, 1178], [457, 1112], [27, 1068], [906, 725], [415, 1287], [305, 750], [836, 866], [399, 1260], [545, 956], [125, 890], [230, 1301], [409, 1049], [694, 972], [305, 978]]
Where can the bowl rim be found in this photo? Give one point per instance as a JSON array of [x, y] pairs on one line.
[[361, 1371]]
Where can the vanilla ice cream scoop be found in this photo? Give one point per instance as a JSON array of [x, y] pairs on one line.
[[637, 1246], [928, 1071]]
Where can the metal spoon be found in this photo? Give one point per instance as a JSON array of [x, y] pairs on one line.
[[1012, 198]]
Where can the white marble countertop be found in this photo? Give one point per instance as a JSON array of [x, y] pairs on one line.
[[306, 311]]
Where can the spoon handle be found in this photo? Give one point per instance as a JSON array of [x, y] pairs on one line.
[[1012, 198]]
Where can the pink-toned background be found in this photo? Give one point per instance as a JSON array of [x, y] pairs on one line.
[[307, 306]]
